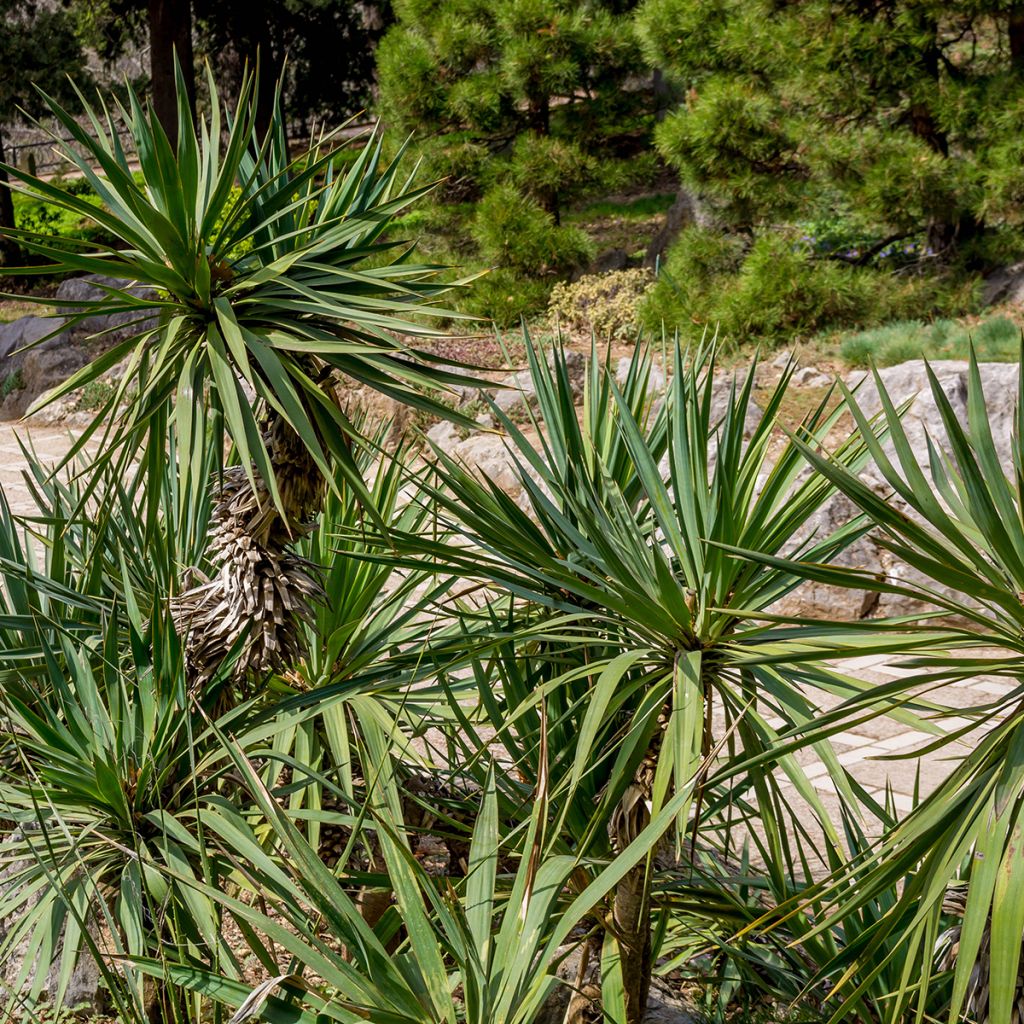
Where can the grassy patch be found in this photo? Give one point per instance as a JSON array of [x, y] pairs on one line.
[[14, 309], [639, 208], [95, 395], [14, 381], [996, 339]]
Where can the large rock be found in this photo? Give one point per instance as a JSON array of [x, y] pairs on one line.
[[922, 420], [446, 436], [811, 377], [25, 375], [818, 600], [488, 454], [114, 327], [28, 330], [906, 383], [41, 371], [518, 390], [656, 380], [84, 990], [1005, 285], [24, 372]]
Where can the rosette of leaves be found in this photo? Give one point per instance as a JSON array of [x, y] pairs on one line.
[[260, 281]]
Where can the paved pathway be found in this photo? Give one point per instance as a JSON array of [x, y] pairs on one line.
[[879, 753], [49, 443]]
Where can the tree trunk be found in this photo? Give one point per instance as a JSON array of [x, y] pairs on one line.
[[540, 112], [259, 598], [632, 920], [10, 251], [948, 225], [1015, 29], [662, 94], [631, 907], [263, 62], [170, 33], [948, 232]]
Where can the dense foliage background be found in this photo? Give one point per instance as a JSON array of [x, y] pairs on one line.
[[789, 166]]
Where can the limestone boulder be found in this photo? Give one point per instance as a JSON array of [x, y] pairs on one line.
[[517, 390], [446, 436], [908, 382], [488, 455], [656, 381], [818, 600], [84, 990], [1004, 286], [40, 370], [811, 377], [27, 330], [113, 327]]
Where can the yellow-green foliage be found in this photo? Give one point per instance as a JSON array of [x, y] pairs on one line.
[[606, 304]]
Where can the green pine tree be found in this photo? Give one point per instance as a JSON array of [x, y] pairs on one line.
[[900, 118], [527, 104]]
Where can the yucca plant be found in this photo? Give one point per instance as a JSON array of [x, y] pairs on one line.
[[637, 622], [958, 520], [107, 768], [108, 780], [267, 275], [484, 953]]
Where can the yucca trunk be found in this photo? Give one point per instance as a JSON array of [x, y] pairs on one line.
[[978, 1000], [631, 907], [258, 597]]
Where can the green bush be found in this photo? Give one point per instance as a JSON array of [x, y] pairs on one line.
[[776, 289], [13, 381], [43, 218], [782, 290], [514, 232]]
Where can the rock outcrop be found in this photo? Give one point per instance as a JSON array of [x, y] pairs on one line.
[[84, 987], [907, 383], [38, 353]]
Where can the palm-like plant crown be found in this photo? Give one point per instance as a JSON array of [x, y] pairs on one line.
[[259, 282]]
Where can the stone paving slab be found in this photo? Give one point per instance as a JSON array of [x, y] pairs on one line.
[[50, 445]]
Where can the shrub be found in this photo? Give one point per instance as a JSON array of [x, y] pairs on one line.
[[775, 288], [96, 395], [39, 217], [516, 233], [606, 304], [700, 264], [507, 297], [782, 290]]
